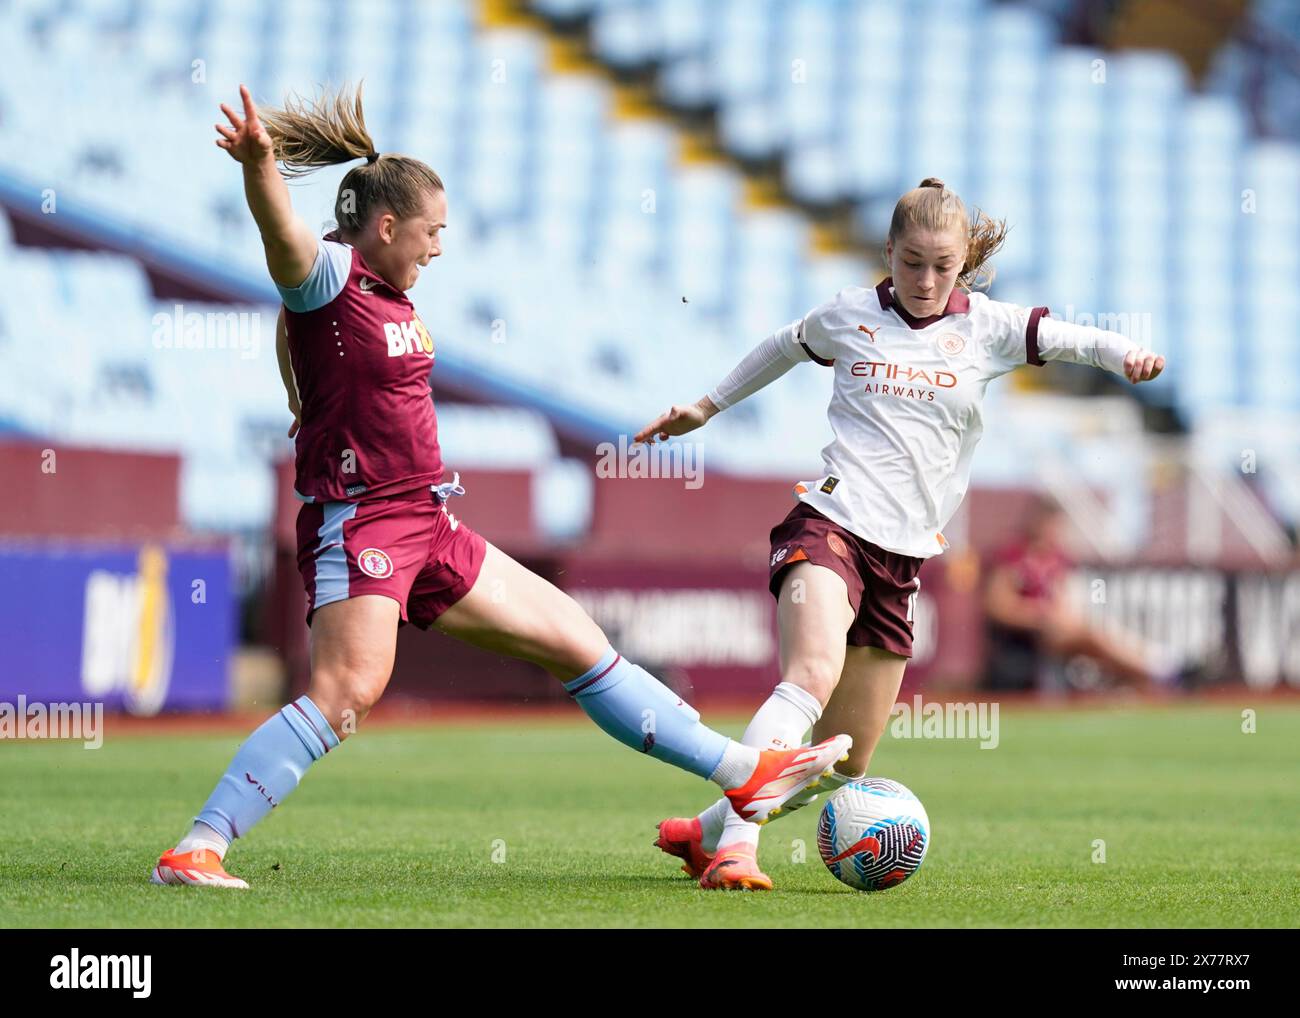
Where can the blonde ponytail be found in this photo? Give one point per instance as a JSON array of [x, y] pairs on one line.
[[308, 134]]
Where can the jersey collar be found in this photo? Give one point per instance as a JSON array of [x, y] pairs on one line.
[[958, 304], [371, 273]]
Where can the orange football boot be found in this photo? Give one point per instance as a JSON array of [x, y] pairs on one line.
[[682, 837], [735, 868], [201, 867], [783, 778]]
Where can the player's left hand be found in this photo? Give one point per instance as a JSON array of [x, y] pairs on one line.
[[1142, 365]]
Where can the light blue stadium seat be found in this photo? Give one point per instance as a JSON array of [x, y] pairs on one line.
[[1011, 76], [876, 27], [1002, 130], [741, 49], [1271, 169], [1147, 78], [814, 173], [805, 69], [1011, 29], [749, 129], [687, 82], [682, 27], [625, 34], [936, 146], [827, 275], [873, 136]]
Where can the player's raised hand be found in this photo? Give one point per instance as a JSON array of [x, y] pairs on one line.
[[678, 420], [1142, 365], [246, 139]]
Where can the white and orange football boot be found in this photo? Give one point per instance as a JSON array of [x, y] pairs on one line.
[[200, 868], [735, 868], [682, 837], [786, 779]]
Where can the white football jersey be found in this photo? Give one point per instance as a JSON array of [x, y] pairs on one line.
[[906, 408]]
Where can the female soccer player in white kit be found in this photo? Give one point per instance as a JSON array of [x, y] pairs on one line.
[[912, 358], [377, 546]]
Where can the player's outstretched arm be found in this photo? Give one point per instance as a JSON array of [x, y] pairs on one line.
[[762, 366], [1100, 348], [290, 246]]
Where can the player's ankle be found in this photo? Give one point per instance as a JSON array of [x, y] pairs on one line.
[[201, 836], [737, 766]]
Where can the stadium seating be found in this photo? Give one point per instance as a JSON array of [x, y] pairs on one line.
[[1259, 65], [1125, 199], [1124, 187]]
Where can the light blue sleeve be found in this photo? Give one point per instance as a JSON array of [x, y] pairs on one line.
[[324, 282]]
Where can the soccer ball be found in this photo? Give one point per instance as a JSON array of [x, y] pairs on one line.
[[873, 834]]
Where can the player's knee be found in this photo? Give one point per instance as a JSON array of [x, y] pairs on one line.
[[567, 659], [817, 675], [345, 699]]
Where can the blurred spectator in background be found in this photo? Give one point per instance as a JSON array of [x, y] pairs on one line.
[[1030, 624]]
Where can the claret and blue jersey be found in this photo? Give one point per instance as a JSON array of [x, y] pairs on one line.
[[361, 358]]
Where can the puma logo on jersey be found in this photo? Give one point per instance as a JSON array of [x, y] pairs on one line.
[[408, 337], [368, 284], [871, 333]]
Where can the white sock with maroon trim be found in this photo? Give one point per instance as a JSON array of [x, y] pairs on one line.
[[779, 724]]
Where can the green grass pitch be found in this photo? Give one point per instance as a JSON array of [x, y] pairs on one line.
[[550, 823]]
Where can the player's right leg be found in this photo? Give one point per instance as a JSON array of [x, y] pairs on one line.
[[860, 706], [353, 642], [814, 613]]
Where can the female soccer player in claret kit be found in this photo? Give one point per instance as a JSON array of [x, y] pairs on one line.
[[377, 546], [912, 358]]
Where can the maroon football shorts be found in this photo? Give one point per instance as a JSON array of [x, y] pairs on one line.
[[407, 547], [882, 584]]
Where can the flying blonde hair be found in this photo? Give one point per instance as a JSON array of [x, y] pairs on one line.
[[331, 129]]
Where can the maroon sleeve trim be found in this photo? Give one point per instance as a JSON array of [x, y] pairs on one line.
[[808, 350], [1031, 336]]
